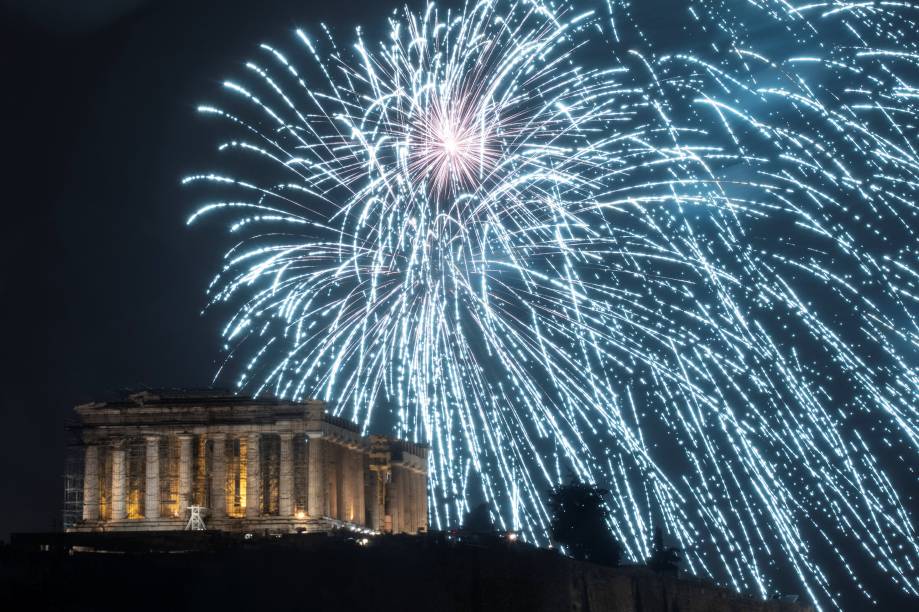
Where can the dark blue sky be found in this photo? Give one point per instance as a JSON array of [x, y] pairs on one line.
[[102, 282]]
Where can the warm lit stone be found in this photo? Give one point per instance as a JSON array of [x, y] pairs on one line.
[[245, 461]]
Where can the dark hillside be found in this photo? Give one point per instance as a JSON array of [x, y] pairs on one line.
[[331, 573]]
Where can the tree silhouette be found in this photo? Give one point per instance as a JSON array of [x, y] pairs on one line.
[[664, 559], [579, 523], [478, 520]]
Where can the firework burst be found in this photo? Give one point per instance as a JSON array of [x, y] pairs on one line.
[[452, 148], [548, 246]]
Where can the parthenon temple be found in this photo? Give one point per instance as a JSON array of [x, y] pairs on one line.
[[260, 465]]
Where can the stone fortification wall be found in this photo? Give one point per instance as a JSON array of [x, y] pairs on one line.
[[321, 572]]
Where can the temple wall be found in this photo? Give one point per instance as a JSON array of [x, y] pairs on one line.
[[144, 468]]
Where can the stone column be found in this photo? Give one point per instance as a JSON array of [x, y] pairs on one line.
[[346, 507], [413, 499], [420, 494], [286, 476], [403, 499], [152, 482], [201, 492], [218, 507], [412, 522], [419, 501], [91, 483], [373, 495], [389, 504], [119, 481], [185, 441], [404, 475], [331, 456], [357, 485], [411, 517], [315, 495], [253, 475], [344, 483], [403, 507], [395, 498], [422, 501]]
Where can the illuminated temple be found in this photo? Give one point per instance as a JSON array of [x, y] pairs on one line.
[[253, 465]]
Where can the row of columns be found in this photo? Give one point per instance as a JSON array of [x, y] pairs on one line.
[[91, 479], [398, 499], [344, 483], [408, 500], [335, 482], [316, 493]]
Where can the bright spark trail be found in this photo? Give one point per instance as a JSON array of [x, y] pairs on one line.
[[552, 244]]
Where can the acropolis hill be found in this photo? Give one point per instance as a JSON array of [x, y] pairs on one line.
[[191, 501], [336, 572]]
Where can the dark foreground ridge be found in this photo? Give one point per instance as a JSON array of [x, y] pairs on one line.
[[318, 572]]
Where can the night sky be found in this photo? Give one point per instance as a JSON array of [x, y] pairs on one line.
[[103, 283]]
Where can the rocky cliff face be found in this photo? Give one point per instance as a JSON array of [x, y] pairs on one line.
[[639, 590], [500, 579], [318, 572]]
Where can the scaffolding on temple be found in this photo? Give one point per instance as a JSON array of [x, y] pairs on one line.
[[73, 482], [196, 519]]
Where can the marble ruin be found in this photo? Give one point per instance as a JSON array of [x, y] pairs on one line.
[[254, 465]]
